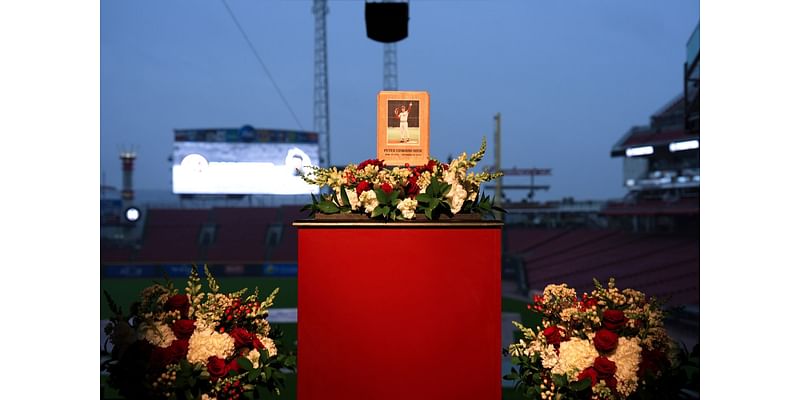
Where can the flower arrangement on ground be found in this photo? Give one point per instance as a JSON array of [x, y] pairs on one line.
[[610, 344], [400, 193], [196, 344]]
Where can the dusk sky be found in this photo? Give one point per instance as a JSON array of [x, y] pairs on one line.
[[569, 78]]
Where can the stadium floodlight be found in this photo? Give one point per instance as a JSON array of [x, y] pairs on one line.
[[630, 182], [132, 214], [639, 151], [685, 145]]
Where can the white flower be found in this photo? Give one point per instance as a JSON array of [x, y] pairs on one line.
[[253, 356], [272, 350], [407, 207], [207, 343], [455, 197], [549, 356], [627, 356], [369, 200], [157, 334], [352, 197], [575, 355]]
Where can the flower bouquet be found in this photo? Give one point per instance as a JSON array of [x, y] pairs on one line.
[[610, 344], [196, 345], [400, 193]]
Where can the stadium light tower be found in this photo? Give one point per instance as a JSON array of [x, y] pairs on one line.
[[321, 121]]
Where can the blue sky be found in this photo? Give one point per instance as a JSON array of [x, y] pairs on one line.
[[568, 77]]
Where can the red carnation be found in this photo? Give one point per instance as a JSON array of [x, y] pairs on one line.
[[183, 328], [386, 187], [588, 373], [614, 319], [552, 334], [216, 367], [605, 368], [179, 302], [605, 340], [362, 186]]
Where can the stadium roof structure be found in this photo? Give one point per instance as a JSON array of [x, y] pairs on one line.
[[667, 125]]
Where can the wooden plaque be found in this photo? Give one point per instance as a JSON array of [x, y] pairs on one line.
[[403, 128]]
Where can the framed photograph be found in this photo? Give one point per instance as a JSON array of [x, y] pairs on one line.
[[403, 127]]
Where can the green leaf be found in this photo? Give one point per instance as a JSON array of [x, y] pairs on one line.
[[581, 385], [560, 380], [253, 374], [423, 198], [383, 198], [345, 200], [435, 203], [245, 363], [428, 213], [328, 207]]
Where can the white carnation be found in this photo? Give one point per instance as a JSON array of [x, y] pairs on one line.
[[407, 207], [207, 343], [157, 334], [369, 200], [272, 350]]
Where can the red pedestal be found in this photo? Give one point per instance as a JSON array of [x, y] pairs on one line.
[[399, 311]]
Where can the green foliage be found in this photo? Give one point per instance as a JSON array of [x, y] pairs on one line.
[[434, 201]]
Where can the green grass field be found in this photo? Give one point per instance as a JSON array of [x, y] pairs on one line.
[[125, 291]]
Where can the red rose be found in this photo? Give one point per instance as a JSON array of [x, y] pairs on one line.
[[216, 367], [163, 356], [183, 328], [605, 368], [232, 366], [362, 186], [180, 348], [588, 373], [588, 304], [652, 362], [412, 190], [242, 338], [375, 162], [605, 340], [552, 334], [386, 187], [611, 383], [178, 302], [257, 343], [614, 319]]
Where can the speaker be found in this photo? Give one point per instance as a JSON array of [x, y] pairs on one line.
[[387, 22]]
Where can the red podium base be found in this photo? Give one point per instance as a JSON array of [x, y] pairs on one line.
[[399, 311]]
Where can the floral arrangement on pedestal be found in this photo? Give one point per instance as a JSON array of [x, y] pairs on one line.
[[400, 193], [196, 344], [610, 344]]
